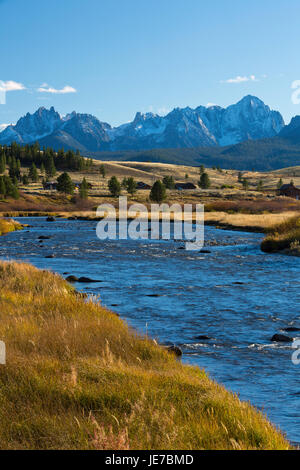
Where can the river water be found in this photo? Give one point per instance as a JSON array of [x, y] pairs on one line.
[[236, 295]]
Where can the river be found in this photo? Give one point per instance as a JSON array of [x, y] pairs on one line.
[[236, 295]]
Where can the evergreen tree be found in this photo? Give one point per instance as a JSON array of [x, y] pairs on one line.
[[83, 190], [169, 182], [14, 193], [2, 163], [131, 186], [65, 184], [42, 169], [10, 189], [14, 168], [33, 174], [25, 180], [204, 182], [202, 169], [114, 186], [158, 192], [279, 184], [2, 187], [260, 186], [245, 184], [102, 171], [50, 167]]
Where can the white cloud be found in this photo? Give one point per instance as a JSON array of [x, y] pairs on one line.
[[240, 79], [45, 88], [209, 105], [10, 85]]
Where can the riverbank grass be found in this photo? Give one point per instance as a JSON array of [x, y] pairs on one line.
[[77, 377], [7, 226], [283, 237]]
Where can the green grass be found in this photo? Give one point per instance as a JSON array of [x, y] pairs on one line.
[[78, 378], [284, 236]]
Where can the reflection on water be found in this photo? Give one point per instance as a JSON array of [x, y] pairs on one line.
[[235, 295]]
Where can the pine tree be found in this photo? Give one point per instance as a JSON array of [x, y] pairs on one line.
[[280, 183], [33, 174], [204, 182], [83, 190], [102, 171], [131, 186], [2, 163], [245, 184], [114, 186], [158, 192], [42, 169], [169, 182], [260, 186], [65, 184], [25, 180], [50, 167], [2, 187], [10, 189]]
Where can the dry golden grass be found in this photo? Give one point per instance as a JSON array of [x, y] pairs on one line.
[[7, 226], [284, 236], [78, 378], [248, 221]]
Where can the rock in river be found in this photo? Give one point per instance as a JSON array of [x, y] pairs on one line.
[[281, 339], [175, 350], [50, 219], [291, 328], [72, 279], [87, 280]]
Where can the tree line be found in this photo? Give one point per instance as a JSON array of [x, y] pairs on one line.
[[44, 157]]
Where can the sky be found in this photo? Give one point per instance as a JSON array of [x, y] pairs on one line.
[[114, 58]]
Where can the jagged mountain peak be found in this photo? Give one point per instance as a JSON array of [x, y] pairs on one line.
[[249, 119]]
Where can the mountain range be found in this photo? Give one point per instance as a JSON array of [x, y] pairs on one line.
[[249, 119], [245, 135]]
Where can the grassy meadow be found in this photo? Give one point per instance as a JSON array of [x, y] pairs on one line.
[[77, 377], [226, 203]]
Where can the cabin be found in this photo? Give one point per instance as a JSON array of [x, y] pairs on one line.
[[142, 185], [184, 186], [289, 190], [50, 185]]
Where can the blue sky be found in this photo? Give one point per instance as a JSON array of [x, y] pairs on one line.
[[112, 58]]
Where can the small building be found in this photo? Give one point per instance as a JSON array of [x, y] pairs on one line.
[[289, 190], [50, 185], [184, 186], [142, 185]]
